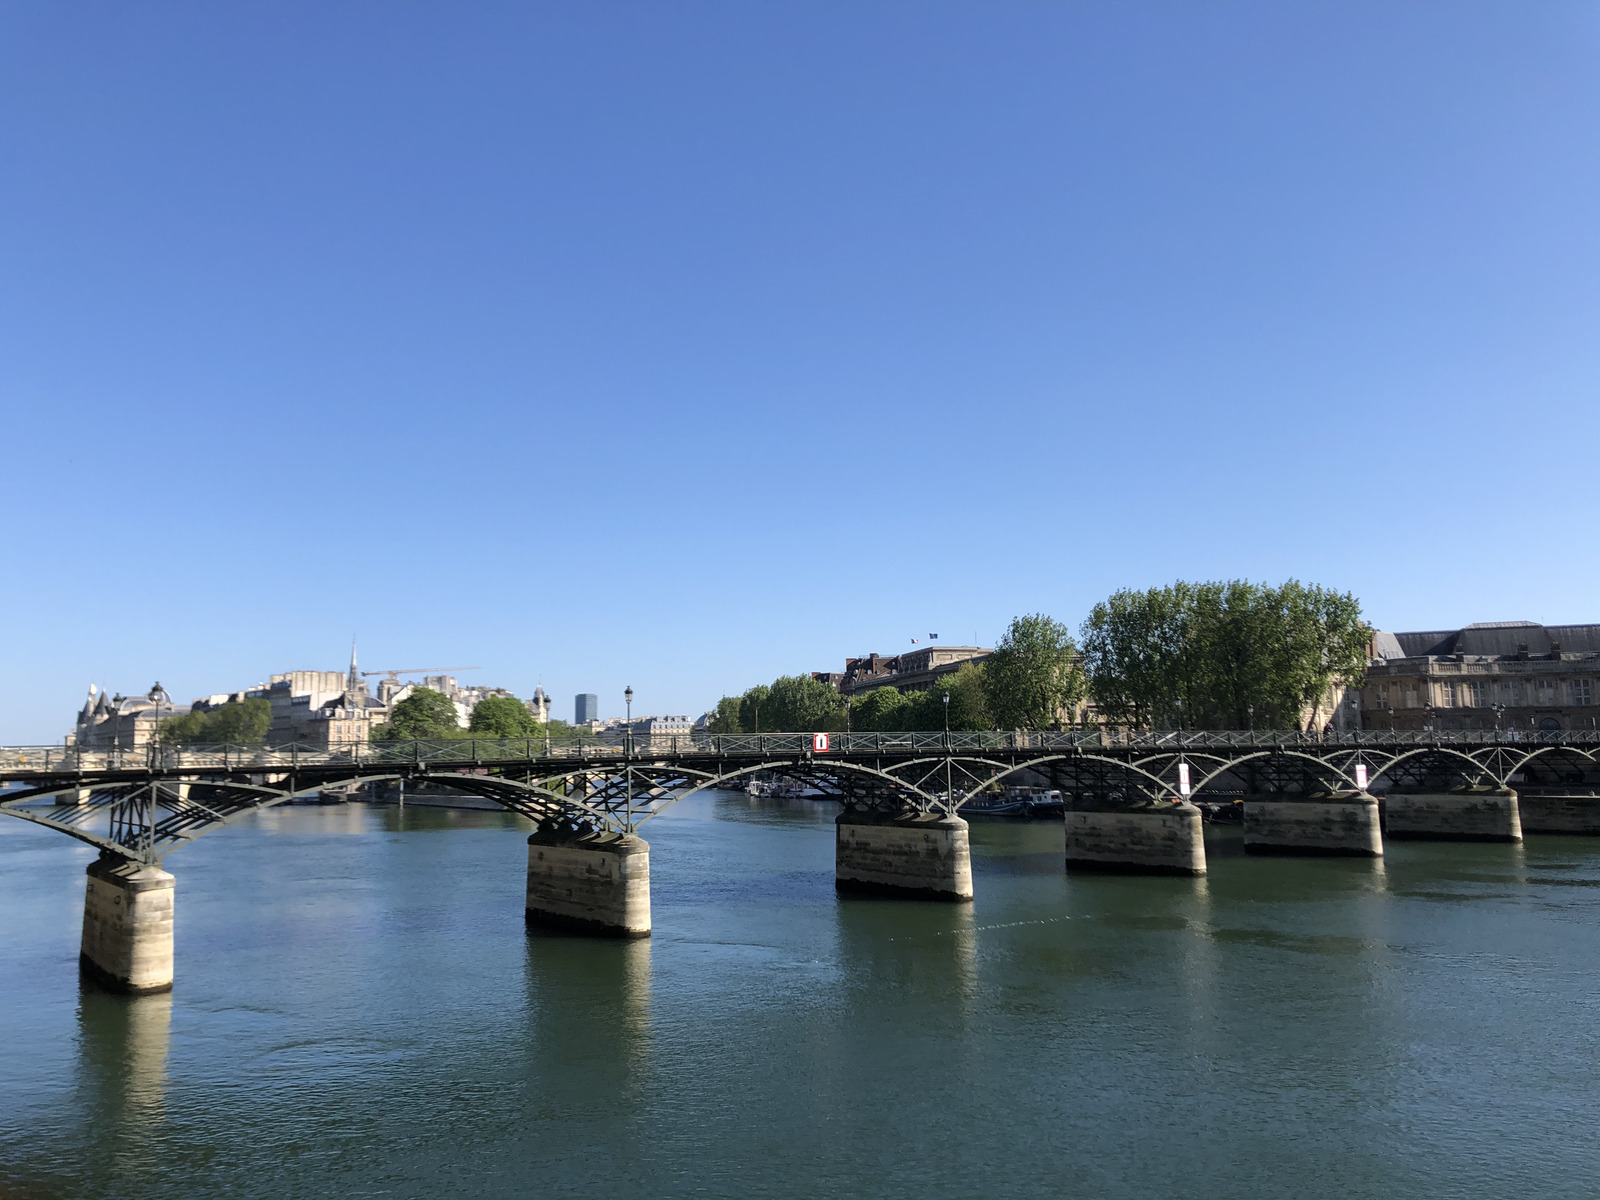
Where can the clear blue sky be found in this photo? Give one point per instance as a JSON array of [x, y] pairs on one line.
[[682, 345]]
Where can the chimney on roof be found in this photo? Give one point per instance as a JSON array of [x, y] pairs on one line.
[[1522, 650], [1555, 650]]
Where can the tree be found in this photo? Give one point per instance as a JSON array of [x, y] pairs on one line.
[[238, 722], [425, 713], [1222, 655], [1033, 675], [725, 717], [503, 717], [967, 688], [750, 706], [882, 710], [800, 703]]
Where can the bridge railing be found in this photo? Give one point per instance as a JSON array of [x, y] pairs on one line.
[[20, 762]]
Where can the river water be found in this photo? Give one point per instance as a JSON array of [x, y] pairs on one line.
[[360, 1012]]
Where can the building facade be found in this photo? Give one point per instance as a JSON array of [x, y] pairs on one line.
[[1503, 675], [323, 710], [585, 708], [539, 705], [123, 722], [917, 671]]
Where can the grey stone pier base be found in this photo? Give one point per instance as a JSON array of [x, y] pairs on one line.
[[127, 926], [1460, 815], [1559, 814], [1164, 839], [922, 857], [598, 884], [1327, 823]]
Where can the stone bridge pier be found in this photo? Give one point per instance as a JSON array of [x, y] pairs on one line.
[[1338, 823], [918, 855], [1156, 838], [127, 925], [591, 882]]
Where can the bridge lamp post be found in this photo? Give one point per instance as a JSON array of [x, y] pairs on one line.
[[949, 790], [627, 770], [158, 694]]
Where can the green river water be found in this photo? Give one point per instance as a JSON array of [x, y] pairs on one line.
[[359, 1011]]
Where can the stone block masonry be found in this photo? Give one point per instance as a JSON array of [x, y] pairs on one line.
[[1337, 823], [1571, 813], [1467, 815], [1162, 840], [127, 925], [927, 856], [597, 884]]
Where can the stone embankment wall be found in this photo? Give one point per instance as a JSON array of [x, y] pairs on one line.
[[1559, 814], [598, 884], [1460, 816], [1333, 825], [927, 856], [127, 925], [1166, 840]]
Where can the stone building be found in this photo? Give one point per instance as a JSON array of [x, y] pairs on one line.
[[123, 722], [1495, 675], [322, 709], [539, 705], [914, 672]]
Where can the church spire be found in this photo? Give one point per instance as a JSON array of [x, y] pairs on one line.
[[353, 679]]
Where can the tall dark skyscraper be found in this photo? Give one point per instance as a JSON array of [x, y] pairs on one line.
[[586, 707]]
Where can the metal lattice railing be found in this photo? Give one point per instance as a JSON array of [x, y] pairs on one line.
[[23, 762]]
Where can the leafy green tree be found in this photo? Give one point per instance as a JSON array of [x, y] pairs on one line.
[[799, 703], [238, 722], [751, 704], [423, 714], [1033, 674], [968, 690], [1222, 655], [882, 710], [725, 717], [503, 717]]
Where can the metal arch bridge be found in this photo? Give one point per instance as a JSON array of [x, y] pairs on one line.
[[141, 805]]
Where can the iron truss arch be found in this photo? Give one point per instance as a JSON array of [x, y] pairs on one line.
[[144, 804]]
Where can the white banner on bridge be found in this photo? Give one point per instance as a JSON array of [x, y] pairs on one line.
[[1183, 779], [1361, 776], [819, 742]]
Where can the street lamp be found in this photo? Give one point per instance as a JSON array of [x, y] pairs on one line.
[[949, 792], [847, 702], [627, 770], [157, 696]]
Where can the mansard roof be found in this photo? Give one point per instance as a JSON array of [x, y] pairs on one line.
[[1493, 638]]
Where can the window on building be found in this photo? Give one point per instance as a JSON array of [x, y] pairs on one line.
[[1480, 693], [1581, 693], [1450, 694]]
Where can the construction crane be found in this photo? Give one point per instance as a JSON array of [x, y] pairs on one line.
[[395, 675]]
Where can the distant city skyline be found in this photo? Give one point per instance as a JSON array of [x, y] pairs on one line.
[[679, 347]]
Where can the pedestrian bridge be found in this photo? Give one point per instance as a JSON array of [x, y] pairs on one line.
[[1129, 804]]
